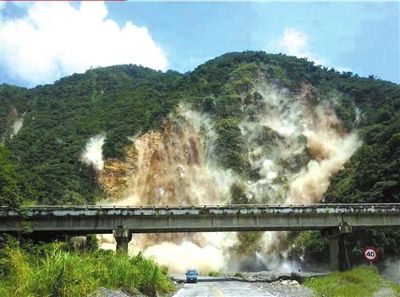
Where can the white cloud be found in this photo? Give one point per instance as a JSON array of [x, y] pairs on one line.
[[56, 39], [296, 43], [342, 69]]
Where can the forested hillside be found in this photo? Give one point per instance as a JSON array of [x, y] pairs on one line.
[[44, 130], [58, 119]]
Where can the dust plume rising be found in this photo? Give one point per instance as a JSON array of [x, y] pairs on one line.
[[329, 150], [173, 166], [391, 269], [204, 251], [17, 125], [294, 145], [93, 153], [18, 121]]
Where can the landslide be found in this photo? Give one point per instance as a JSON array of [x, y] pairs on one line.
[[41, 162]]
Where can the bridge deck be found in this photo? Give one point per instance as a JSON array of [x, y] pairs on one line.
[[152, 219]]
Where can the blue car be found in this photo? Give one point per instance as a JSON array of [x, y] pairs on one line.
[[191, 276]]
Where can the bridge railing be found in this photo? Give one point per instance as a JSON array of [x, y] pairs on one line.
[[92, 210], [317, 205]]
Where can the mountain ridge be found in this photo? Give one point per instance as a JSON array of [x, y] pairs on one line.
[[245, 100]]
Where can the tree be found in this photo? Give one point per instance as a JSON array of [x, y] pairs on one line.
[[9, 190]]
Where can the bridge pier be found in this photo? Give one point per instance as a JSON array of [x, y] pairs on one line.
[[333, 238], [122, 237], [337, 250], [78, 241]]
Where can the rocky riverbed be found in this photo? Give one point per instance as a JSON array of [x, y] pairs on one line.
[[265, 283]]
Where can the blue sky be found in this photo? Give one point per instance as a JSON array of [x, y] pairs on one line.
[[42, 42]]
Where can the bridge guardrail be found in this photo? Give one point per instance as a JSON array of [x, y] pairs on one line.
[[90, 210], [319, 205]]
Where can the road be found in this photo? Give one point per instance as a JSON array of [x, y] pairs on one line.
[[221, 289], [228, 287]]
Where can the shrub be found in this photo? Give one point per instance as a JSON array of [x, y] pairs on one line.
[[53, 270], [360, 282]]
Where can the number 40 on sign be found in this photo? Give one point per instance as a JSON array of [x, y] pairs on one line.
[[370, 254]]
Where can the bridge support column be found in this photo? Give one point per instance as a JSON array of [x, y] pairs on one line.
[[337, 249], [334, 253], [123, 237], [78, 241], [332, 235]]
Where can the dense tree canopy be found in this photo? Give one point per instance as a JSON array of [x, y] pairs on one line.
[[127, 100], [43, 164], [10, 193]]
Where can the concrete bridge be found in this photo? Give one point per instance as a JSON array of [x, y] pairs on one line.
[[333, 220]]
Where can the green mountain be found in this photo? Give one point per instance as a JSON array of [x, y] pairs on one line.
[[269, 116]]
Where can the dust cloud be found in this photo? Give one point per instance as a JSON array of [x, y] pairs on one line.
[[391, 269], [174, 166], [17, 125], [93, 153], [295, 144], [18, 121]]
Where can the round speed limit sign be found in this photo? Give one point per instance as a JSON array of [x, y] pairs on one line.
[[370, 254]]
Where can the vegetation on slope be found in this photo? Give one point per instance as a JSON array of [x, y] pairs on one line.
[[123, 101], [127, 100], [55, 270], [372, 174], [360, 282], [59, 119], [10, 193]]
